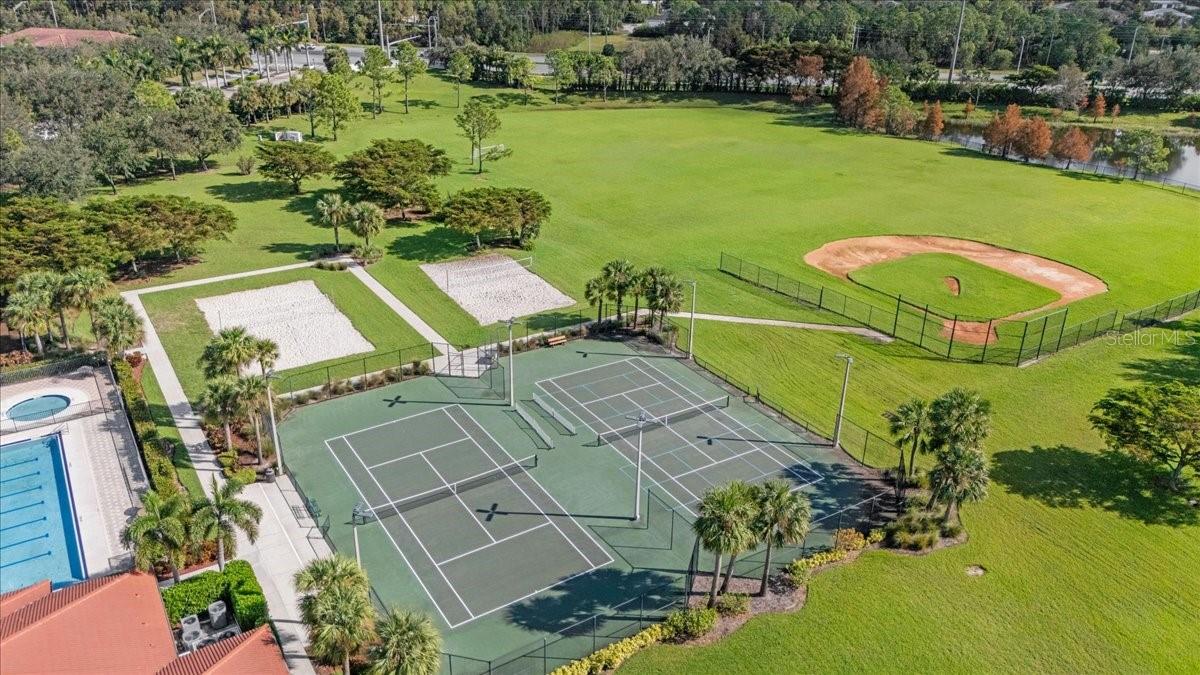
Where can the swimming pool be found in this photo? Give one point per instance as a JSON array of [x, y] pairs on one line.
[[38, 534], [39, 407]]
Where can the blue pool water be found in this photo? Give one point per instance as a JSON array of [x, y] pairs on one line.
[[38, 408], [38, 535]]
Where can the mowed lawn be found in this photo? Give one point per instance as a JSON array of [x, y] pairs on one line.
[[184, 332], [1089, 567], [982, 291], [675, 185]]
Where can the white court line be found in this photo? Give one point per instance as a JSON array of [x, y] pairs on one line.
[[470, 513], [648, 459], [512, 480], [731, 429], [494, 542], [399, 550], [608, 364], [384, 424], [414, 534], [411, 454], [670, 428], [623, 393]]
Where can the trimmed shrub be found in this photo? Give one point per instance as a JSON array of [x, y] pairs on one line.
[[158, 457], [612, 656], [246, 599], [849, 540], [245, 164], [916, 530], [193, 595], [691, 623], [733, 604]]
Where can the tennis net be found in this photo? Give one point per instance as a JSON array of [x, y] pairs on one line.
[[450, 489], [553, 412], [629, 431]]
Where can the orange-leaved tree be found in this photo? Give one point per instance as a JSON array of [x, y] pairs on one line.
[[934, 122], [1033, 138], [858, 95], [1072, 145], [1001, 132], [1098, 106]]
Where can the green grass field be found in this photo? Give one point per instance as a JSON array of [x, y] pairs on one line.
[[184, 332], [166, 429], [983, 292]]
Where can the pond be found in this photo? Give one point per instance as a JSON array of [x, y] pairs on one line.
[[1183, 163]]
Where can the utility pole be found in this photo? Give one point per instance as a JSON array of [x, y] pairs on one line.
[[962, 10], [1021, 54], [837, 430], [53, 13], [691, 324], [1133, 42], [855, 47], [379, 16], [512, 368], [212, 6]]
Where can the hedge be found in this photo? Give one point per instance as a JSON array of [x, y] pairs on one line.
[[237, 585], [246, 597], [615, 654], [160, 465]]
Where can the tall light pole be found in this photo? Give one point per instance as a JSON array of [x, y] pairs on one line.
[[962, 9], [274, 426], [1133, 43], [837, 431], [691, 324], [641, 420], [379, 15], [512, 368], [357, 516]]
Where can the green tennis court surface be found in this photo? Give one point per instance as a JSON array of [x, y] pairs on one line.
[[528, 555]]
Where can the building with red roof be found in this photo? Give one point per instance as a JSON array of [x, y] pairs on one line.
[[62, 37], [115, 624]]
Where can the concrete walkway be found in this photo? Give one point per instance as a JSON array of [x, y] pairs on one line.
[[832, 328], [410, 317]]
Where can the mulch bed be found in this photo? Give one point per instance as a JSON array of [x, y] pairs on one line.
[[781, 596]]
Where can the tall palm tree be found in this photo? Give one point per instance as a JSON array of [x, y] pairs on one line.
[[747, 498], [334, 212], [116, 323], [783, 519], [340, 622], [238, 57], [227, 352], [223, 403], [221, 517], [321, 574], [960, 417], [618, 275], [366, 220], [84, 286], [667, 297], [252, 389], [30, 311], [266, 352], [638, 284], [595, 291], [960, 475], [909, 424], [48, 287], [208, 53], [159, 532], [409, 644], [721, 526], [183, 59]]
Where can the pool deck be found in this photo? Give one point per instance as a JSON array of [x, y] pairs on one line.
[[103, 466]]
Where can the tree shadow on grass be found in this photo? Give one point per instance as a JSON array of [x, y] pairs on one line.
[[504, 99], [422, 103], [1066, 477], [306, 203], [255, 191], [1182, 365], [585, 596], [435, 243]]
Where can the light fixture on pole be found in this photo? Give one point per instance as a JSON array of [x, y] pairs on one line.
[[274, 426], [357, 517], [641, 420], [692, 324], [837, 431], [512, 369]]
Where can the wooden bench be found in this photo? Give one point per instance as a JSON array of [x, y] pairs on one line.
[[556, 340]]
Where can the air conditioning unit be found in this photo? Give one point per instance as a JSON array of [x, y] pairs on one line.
[[192, 639], [190, 622], [218, 617]]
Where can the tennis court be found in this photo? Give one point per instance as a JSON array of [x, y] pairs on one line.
[[690, 444], [476, 529]]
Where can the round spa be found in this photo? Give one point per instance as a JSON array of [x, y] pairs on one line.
[[38, 407]]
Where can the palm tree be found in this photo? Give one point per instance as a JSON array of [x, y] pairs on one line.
[[30, 312], [252, 389], [84, 286], [409, 643], [340, 622], [183, 59], [960, 417], [333, 212], [49, 288], [366, 220], [747, 499], [226, 353], [909, 424], [337, 570], [159, 532], [223, 404], [221, 518], [666, 296], [595, 291], [266, 352], [722, 526], [960, 475], [116, 323], [638, 284], [239, 57], [208, 53], [783, 519], [619, 275]]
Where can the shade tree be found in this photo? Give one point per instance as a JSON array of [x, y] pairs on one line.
[[409, 65], [377, 67], [394, 173], [1157, 424], [478, 122], [293, 162], [515, 214]]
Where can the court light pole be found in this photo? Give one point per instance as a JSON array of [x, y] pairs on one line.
[[641, 420], [357, 516], [274, 426], [837, 431], [512, 380], [692, 324]]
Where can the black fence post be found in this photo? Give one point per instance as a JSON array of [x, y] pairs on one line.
[[924, 320], [820, 298], [896, 321], [1021, 349], [953, 328], [987, 337], [1062, 329]]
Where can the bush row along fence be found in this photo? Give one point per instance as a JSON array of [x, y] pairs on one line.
[[956, 337], [50, 367]]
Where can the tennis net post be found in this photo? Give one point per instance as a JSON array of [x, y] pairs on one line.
[[629, 431]]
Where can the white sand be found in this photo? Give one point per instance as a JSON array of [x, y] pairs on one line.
[[495, 287], [300, 319]]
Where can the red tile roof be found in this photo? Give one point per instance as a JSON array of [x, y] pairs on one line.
[[61, 37], [109, 624], [21, 597], [254, 652]]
